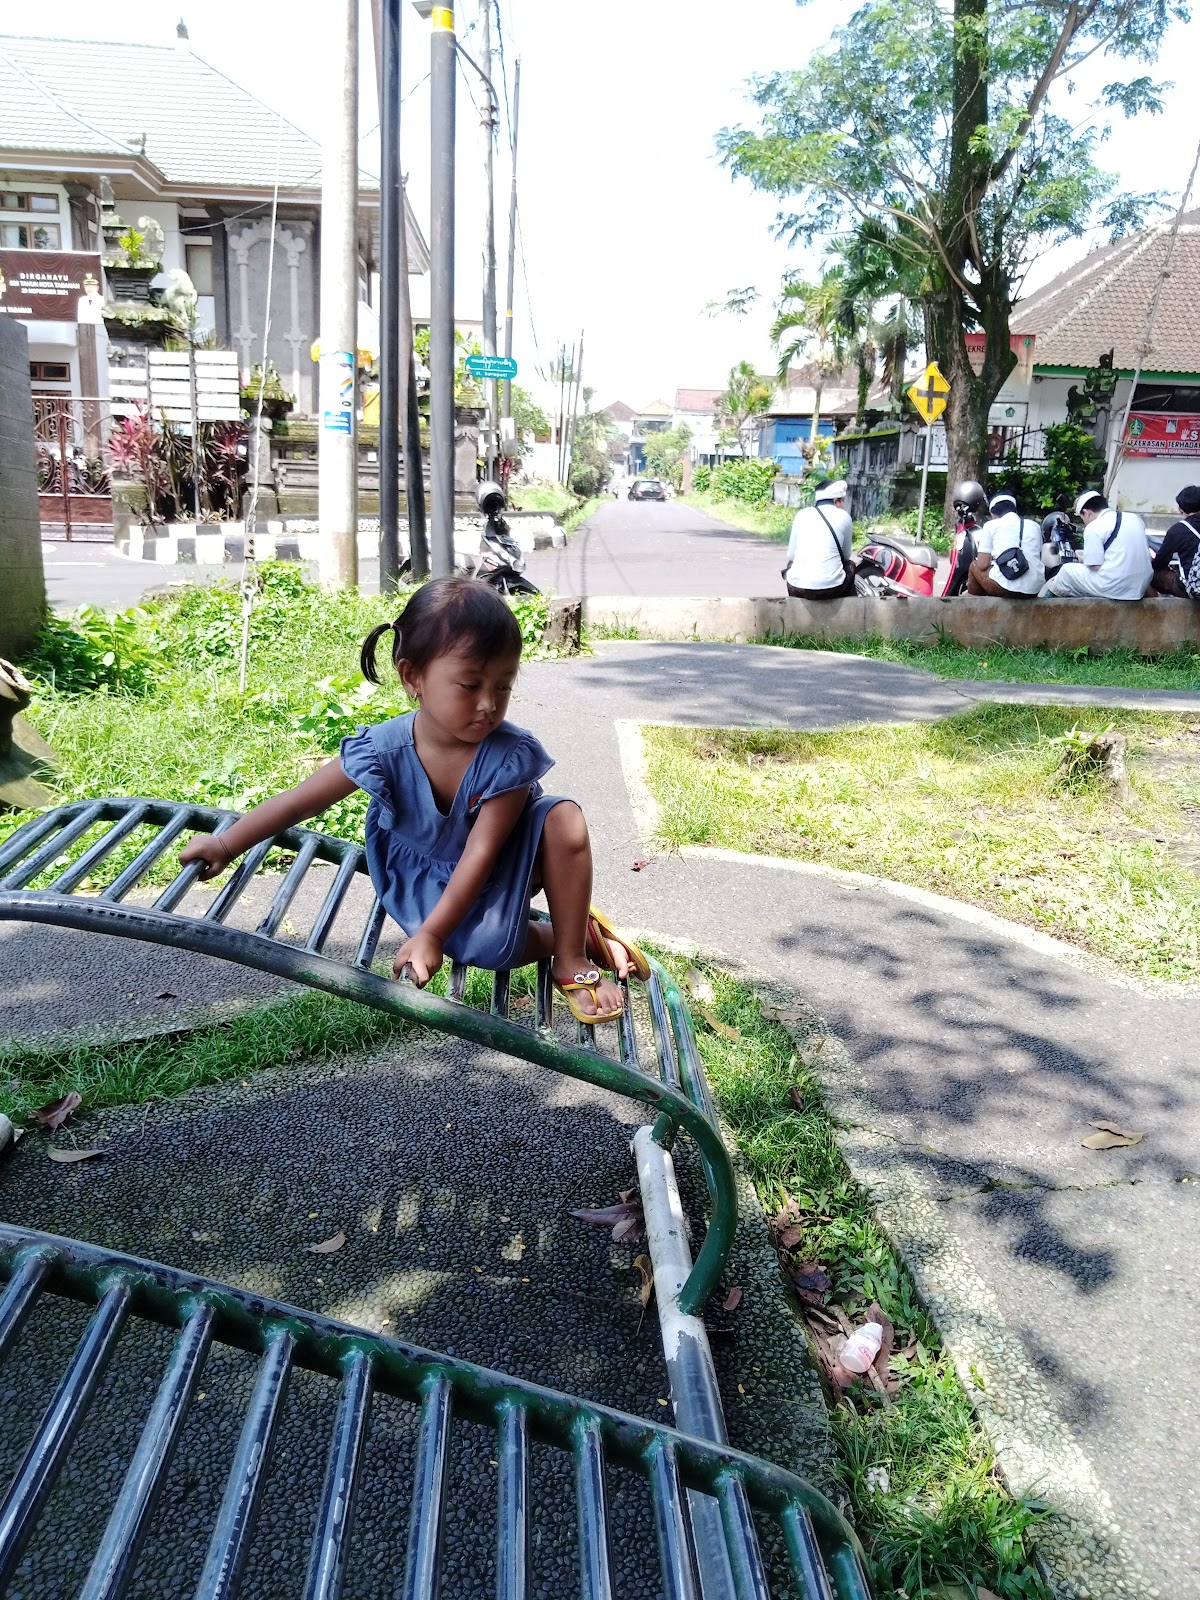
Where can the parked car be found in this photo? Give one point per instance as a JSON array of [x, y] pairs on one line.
[[647, 489]]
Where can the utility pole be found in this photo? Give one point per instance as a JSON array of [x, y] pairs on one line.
[[489, 119], [398, 415], [575, 406], [443, 70], [337, 480], [512, 236]]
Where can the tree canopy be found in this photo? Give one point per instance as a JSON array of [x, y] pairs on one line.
[[946, 120]]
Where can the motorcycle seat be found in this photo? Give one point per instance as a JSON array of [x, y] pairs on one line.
[[921, 555]]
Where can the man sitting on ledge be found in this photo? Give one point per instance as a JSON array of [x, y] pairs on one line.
[[1008, 565], [818, 559], [1115, 560]]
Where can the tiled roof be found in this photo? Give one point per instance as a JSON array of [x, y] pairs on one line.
[[836, 400], [91, 97], [656, 408], [1101, 304], [697, 399], [619, 411]]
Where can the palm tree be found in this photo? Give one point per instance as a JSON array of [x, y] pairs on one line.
[[878, 267], [807, 326], [748, 395]]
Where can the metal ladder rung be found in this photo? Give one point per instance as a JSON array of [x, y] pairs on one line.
[[234, 1528], [371, 936], [801, 1539], [36, 1476], [116, 1558], [671, 1526], [105, 845], [286, 891], [27, 838], [627, 1049], [512, 1515], [327, 1562], [189, 875], [145, 858], [225, 901], [18, 1299], [667, 1065], [501, 993], [458, 981], [595, 1565], [429, 1492], [741, 1545], [332, 904], [545, 996], [45, 854]]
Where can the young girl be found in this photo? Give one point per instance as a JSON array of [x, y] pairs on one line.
[[459, 834]]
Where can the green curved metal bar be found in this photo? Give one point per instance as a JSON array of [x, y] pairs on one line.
[[211, 938]]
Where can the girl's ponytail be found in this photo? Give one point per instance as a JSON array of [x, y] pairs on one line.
[[366, 659]]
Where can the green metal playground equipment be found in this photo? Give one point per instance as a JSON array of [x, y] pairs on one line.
[[706, 1497]]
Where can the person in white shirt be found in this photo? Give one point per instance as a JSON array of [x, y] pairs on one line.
[[1115, 562], [818, 558], [1006, 542]]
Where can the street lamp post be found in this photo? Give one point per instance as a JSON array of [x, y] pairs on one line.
[[443, 67]]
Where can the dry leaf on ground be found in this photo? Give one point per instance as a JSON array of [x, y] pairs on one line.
[[732, 1300], [56, 1112], [328, 1246], [69, 1157], [796, 1097], [791, 1236], [646, 1272], [625, 1220], [1110, 1139], [698, 986], [719, 1027], [811, 1282]]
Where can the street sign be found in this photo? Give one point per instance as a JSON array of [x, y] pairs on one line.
[[929, 393], [499, 369]]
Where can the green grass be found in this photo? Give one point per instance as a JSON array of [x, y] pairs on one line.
[[774, 522], [1117, 669], [944, 1519], [973, 807], [542, 497], [582, 512], [165, 718]]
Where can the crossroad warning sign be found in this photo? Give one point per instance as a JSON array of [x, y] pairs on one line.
[[929, 393]]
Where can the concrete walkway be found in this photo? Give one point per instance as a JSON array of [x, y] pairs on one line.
[[968, 1059]]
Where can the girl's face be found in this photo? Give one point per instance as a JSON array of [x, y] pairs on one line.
[[465, 697]]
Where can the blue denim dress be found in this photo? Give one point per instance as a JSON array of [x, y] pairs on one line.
[[413, 847]]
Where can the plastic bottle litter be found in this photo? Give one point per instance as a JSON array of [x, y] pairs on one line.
[[861, 1348]]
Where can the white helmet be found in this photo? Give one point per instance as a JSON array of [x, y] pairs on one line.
[[1085, 500], [1008, 501]]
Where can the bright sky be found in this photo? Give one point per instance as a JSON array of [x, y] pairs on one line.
[[630, 225]]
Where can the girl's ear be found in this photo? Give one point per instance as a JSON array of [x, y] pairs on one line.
[[410, 680]]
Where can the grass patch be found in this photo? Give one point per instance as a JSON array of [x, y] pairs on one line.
[[542, 497], [974, 807], [943, 1518], [772, 521], [146, 702], [1115, 669], [583, 511]]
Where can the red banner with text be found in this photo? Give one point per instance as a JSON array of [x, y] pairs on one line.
[[1163, 433]]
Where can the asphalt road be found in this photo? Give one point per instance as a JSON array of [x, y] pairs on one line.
[[652, 549]]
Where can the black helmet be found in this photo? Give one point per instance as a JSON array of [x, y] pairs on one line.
[[1056, 522], [970, 496]]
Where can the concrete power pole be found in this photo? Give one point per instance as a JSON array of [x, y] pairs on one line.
[[512, 235], [489, 119], [338, 452], [443, 70]]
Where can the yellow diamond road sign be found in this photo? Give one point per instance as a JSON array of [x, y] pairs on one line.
[[929, 393]]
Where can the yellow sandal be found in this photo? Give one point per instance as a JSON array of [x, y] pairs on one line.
[[587, 979], [601, 930]]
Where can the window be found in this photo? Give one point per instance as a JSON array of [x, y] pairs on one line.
[[30, 235], [198, 261], [50, 372], [10, 201]]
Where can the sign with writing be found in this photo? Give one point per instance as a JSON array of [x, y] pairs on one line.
[[501, 369], [48, 285], [929, 393], [1163, 433], [337, 392]]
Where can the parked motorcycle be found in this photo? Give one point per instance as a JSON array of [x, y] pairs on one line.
[[1058, 541], [889, 566], [501, 561], [970, 513]]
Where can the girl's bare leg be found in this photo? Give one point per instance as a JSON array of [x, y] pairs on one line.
[[565, 871]]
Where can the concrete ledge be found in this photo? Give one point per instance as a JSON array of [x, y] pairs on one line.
[[1148, 627]]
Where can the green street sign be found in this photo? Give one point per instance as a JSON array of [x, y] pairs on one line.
[[501, 369]]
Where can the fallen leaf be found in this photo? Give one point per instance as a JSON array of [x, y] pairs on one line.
[[641, 864], [722, 1028], [646, 1271], [69, 1157], [1111, 1127], [796, 1097], [811, 1282], [56, 1112], [791, 1236], [629, 1228], [698, 986], [328, 1246], [166, 994], [609, 1216], [732, 1300], [1111, 1141]]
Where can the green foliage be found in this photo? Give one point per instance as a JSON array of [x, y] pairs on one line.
[[664, 453], [701, 478], [93, 650], [528, 416], [591, 463], [748, 480], [1072, 463], [747, 396]]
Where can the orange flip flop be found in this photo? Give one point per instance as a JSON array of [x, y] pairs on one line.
[[601, 929], [588, 979]]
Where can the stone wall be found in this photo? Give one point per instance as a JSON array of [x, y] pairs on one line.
[[22, 581], [1149, 627]]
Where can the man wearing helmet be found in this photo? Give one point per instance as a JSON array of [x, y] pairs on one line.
[[1008, 559], [1115, 561]]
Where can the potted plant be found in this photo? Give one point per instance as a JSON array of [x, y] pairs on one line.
[[276, 401], [135, 262]]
